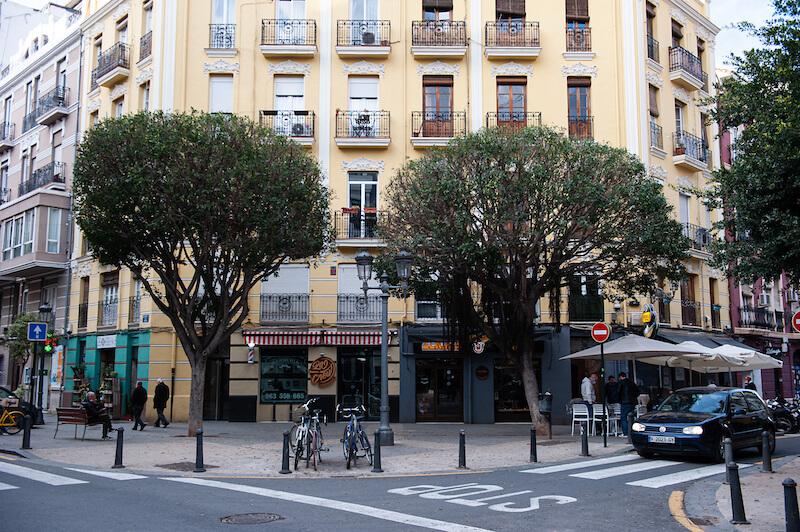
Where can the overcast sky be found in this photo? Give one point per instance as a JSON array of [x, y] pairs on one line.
[[727, 12]]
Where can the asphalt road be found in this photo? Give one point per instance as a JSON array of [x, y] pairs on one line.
[[622, 492]]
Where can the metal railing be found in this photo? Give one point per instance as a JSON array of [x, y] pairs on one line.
[[586, 308], [438, 33], [93, 83], [107, 312], [57, 97], [362, 124], [358, 308], [29, 120], [579, 39], [781, 322], [363, 33], [356, 224], [221, 36], [7, 131], [134, 309], [510, 33], [682, 59], [288, 32], [118, 56], [83, 315], [581, 127], [663, 310], [146, 45], [684, 143], [716, 317], [700, 236], [438, 124], [656, 136], [49, 173], [5, 195], [652, 48], [513, 119], [284, 308], [690, 312], [289, 123], [758, 318]]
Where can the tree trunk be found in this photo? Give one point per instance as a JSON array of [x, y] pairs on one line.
[[196, 395], [531, 385]]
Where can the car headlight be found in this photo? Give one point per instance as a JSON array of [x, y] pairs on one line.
[[637, 427], [696, 430]]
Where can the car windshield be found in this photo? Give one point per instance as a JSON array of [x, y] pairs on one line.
[[695, 402]]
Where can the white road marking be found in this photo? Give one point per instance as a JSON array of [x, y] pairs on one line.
[[625, 470], [38, 476], [581, 465], [474, 503], [534, 504], [682, 476], [6, 487], [107, 474], [360, 509]]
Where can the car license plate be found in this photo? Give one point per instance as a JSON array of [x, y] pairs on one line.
[[661, 439]]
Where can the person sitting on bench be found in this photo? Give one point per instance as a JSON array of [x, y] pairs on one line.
[[96, 413]]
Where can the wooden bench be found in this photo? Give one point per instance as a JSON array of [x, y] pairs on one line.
[[68, 415]]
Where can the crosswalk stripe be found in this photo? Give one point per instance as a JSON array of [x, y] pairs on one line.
[[581, 465], [38, 476], [7, 487], [625, 470], [682, 476], [107, 474]]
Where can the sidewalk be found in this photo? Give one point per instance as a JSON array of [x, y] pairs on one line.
[[255, 448]]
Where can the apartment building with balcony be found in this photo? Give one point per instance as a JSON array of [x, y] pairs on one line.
[[38, 130]]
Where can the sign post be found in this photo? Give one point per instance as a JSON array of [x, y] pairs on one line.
[[796, 321], [600, 333]]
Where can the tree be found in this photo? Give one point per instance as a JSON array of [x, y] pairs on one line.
[[504, 218], [16, 338], [200, 208], [761, 190]]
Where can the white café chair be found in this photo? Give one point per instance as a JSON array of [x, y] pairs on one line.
[[580, 414]]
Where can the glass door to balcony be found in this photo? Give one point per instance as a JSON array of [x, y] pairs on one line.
[[286, 12], [288, 99], [438, 106], [511, 104], [510, 17], [363, 204], [363, 106], [367, 32]]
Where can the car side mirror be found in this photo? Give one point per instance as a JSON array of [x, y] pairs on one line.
[[739, 412]]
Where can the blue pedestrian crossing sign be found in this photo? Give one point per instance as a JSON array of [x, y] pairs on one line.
[[37, 332]]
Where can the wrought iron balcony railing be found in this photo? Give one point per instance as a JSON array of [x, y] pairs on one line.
[[288, 32], [118, 56], [358, 308], [504, 33], [581, 127], [513, 119], [362, 124], [354, 223], [579, 39], [134, 309], [83, 315], [49, 173], [684, 143], [146, 46], [289, 123], [652, 48], [107, 312], [682, 59], [700, 236], [363, 33], [7, 131], [93, 83], [758, 318], [656, 136], [29, 120], [586, 307], [438, 124], [222, 36], [284, 308], [690, 312], [438, 33], [58, 97]]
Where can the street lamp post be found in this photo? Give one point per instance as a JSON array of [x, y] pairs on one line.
[[45, 310], [364, 262]]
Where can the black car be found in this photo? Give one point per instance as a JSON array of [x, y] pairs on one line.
[[694, 421], [27, 408]]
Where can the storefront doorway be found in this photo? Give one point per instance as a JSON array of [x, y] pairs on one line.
[[217, 385], [359, 380], [510, 403], [440, 390]]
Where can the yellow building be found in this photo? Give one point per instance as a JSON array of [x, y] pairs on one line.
[[366, 85]]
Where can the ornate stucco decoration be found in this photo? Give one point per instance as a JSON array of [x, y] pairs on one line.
[[221, 66], [144, 75], [706, 35], [579, 69], [84, 269], [512, 69], [679, 16], [684, 185], [289, 67], [658, 172], [363, 165], [93, 105], [681, 94], [119, 90], [437, 68], [97, 29], [121, 11], [364, 67], [655, 79]]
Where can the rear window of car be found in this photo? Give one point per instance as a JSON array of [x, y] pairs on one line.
[[754, 403], [737, 401]]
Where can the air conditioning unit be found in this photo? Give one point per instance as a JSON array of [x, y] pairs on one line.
[[298, 130], [367, 38]]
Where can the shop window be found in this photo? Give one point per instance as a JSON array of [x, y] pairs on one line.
[[284, 376]]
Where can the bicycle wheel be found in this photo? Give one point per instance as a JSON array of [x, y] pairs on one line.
[[345, 438], [298, 450], [308, 449], [16, 416], [365, 445], [314, 449]]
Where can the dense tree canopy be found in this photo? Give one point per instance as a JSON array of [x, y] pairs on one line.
[[200, 208], [503, 218], [761, 191]]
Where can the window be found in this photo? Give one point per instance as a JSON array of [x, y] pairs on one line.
[[363, 204], [6, 113], [94, 118], [122, 30], [701, 49], [29, 100], [738, 402], [653, 92], [35, 96], [579, 107], [290, 10], [754, 404], [98, 50], [679, 124], [577, 18], [145, 96], [683, 208], [650, 12], [437, 104], [24, 166], [4, 181], [289, 93], [511, 101], [363, 93], [677, 34], [53, 229], [27, 232], [704, 129], [437, 9], [148, 16], [221, 94], [284, 376], [291, 279], [48, 295], [509, 10], [18, 235], [61, 73], [119, 107], [363, 9], [223, 12], [57, 152]]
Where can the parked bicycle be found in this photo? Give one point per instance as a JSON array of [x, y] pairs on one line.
[[307, 436], [10, 420], [355, 443]]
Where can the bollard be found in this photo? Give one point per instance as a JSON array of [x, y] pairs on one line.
[[118, 454], [766, 454], [790, 505], [630, 425], [462, 450], [285, 459], [737, 504], [198, 460], [376, 459], [585, 439], [728, 457], [26, 434], [533, 458]]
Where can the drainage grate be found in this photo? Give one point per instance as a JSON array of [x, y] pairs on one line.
[[250, 519]]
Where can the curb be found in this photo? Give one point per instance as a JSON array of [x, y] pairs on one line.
[[12, 452]]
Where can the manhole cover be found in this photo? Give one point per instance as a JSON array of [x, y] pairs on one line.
[[184, 466], [250, 519]]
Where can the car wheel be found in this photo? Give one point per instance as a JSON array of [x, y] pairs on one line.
[[645, 454]]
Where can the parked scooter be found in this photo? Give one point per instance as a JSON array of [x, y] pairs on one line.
[[787, 417]]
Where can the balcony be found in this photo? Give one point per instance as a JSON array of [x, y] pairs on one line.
[[588, 308], [107, 313], [5, 195], [284, 308], [352, 225], [53, 106], [358, 308], [221, 40], [134, 310], [513, 119], [438, 38], [281, 38], [581, 127], [363, 38], [53, 173], [362, 129], [579, 44], [6, 136], [509, 39], [93, 86], [689, 151], [145, 46], [690, 313], [431, 128], [652, 49], [297, 125], [29, 120], [83, 315], [657, 138], [699, 236], [685, 69], [758, 318], [113, 65]]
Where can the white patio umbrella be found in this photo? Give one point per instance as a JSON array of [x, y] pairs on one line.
[[704, 360], [752, 359]]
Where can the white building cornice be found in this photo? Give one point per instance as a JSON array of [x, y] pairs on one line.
[[697, 17]]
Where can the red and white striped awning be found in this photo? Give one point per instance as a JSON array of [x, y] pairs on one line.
[[351, 338], [312, 338]]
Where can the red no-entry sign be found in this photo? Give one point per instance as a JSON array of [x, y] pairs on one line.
[[796, 321], [600, 332]]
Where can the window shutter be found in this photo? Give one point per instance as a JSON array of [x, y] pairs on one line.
[[444, 5], [579, 82], [653, 100], [677, 30], [651, 10], [701, 45], [577, 8], [510, 7]]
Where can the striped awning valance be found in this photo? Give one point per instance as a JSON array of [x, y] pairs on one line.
[[312, 338]]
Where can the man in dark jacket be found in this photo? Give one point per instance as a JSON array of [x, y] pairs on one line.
[[612, 390], [96, 413], [138, 400], [628, 396], [160, 398]]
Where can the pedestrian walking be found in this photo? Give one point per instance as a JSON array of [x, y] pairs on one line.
[[138, 400], [628, 396], [160, 398], [587, 388], [612, 390], [96, 413], [749, 384]]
